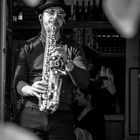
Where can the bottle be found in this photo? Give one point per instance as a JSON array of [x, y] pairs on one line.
[[88, 15], [14, 11], [72, 17], [93, 11], [100, 12], [102, 72], [20, 12], [77, 12], [72, 12], [82, 13], [97, 10]]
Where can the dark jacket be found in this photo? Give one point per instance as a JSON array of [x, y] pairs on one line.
[[30, 63]]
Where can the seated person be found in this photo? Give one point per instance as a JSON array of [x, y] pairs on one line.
[[90, 118], [106, 90]]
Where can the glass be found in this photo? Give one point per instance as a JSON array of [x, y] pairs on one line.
[[52, 12]]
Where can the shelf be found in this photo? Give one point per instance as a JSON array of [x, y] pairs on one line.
[[26, 25], [82, 24], [107, 54], [112, 55], [114, 117], [91, 24]]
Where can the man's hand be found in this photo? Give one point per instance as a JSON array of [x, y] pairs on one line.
[[108, 84], [61, 53], [36, 89]]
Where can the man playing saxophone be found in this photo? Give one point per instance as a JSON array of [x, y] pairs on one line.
[[49, 65]]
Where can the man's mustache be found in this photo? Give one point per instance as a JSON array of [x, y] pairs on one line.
[[55, 22]]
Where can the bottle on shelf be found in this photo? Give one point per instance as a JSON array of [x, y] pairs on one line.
[[15, 11], [82, 12], [100, 11], [72, 16], [79, 35], [88, 14], [20, 11], [89, 38], [97, 15], [93, 11], [77, 12]]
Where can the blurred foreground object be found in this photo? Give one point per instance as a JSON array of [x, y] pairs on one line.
[[124, 15], [32, 3], [11, 131]]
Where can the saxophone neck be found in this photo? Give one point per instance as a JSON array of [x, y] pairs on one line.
[[53, 33]]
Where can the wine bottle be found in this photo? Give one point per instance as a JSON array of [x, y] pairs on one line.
[[93, 11], [77, 12], [72, 16], [20, 12], [100, 12], [97, 10], [15, 11], [88, 15], [82, 13]]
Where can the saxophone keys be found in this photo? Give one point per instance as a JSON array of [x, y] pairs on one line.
[[44, 96]]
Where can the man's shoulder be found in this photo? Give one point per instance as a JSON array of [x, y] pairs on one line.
[[31, 43], [33, 39]]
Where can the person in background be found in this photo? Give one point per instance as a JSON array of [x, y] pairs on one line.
[[28, 83], [106, 90], [91, 118]]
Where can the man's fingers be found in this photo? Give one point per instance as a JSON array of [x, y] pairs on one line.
[[39, 85], [36, 94], [38, 91]]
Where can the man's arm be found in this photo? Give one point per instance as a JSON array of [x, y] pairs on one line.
[[79, 72], [20, 76]]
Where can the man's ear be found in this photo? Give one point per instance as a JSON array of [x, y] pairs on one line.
[[40, 17]]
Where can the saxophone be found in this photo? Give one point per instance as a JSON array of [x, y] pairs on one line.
[[53, 69]]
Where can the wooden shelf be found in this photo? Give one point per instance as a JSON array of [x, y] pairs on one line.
[[114, 117], [112, 55], [91, 24], [26, 25], [82, 24], [107, 54], [35, 25]]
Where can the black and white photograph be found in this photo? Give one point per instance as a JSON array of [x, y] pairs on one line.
[[69, 69]]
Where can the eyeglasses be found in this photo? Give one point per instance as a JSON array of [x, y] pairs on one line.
[[52, 12]]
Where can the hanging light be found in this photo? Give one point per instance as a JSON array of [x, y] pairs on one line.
[[32, 3], [124, 15]]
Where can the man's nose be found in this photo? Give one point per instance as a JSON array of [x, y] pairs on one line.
[[55, 15]]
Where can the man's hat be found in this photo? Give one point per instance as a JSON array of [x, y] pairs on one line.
[[52, 3]]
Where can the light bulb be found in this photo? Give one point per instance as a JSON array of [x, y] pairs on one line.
[[32, 3]]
